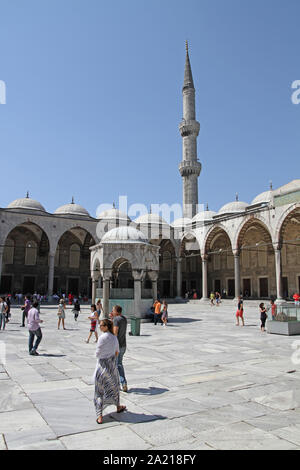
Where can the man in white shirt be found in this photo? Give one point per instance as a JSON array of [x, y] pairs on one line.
[[33, 323]]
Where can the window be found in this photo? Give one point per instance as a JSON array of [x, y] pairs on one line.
[[74, 256], [9, 250], [30, 253]]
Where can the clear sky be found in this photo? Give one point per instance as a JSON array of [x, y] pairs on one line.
[[94, 98]]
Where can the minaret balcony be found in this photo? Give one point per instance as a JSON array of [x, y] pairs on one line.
[[187, 168], [187, 128]]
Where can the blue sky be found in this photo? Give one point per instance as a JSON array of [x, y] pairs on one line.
[[94, 98]]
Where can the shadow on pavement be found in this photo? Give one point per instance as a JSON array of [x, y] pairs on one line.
[[129, 417], [148, 391]]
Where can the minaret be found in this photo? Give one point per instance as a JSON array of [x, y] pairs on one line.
[[190, 167]]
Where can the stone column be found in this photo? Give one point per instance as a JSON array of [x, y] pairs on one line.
[[237, 274], [204, 279], [106, 283], [153, 275], [51, 274], [172, 278], [137, 277], [179, 278], [1, 260], [94, 287], [278, 275]]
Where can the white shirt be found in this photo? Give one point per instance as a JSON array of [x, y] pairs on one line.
[[107, 345]]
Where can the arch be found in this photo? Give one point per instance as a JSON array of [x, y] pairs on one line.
[[286, 218], [250, 224], [211, 234], [121, 254]]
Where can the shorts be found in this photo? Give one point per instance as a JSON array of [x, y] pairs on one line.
[[240, 313]]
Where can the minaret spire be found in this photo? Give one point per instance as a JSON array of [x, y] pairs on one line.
[[190, 167]]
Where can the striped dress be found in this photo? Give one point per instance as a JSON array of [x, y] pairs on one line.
[[107, 386]]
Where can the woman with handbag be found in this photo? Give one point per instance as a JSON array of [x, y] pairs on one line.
[[263, 317]]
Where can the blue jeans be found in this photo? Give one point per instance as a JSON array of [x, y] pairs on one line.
[[32, 334], [121, 367], [2, 320]]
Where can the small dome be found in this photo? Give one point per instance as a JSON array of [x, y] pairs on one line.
[[113, 214], [205, 215], [289, 187], [148, 219], [262, 198], [180, 223], [72, 209], [124, 235], [233, 208], [26, 203]]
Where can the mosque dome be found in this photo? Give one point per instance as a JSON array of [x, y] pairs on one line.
[[72, 209], [148, 219], [204, 215], [124, 235], [234, 207], [114, 214], [262, 198], [26, 203], [182, 222]]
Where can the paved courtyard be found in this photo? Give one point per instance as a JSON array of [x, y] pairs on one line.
[[200, 383]]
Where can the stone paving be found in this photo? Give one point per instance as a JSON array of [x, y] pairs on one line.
[[200, 383]]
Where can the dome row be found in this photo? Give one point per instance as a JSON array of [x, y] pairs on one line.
[[76, 210]]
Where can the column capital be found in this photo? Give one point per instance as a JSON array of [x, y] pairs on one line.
[[153, 275], [236, 253], [138, 275]]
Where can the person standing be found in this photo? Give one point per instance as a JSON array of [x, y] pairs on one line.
[[8, 302], [106, 377], [164, 316], [33, 323], [26, 307], [119, 329], [99, 309], [212, 298], [240, 312], [263, 316], [94, 320], [3, 311], [157, 312], [273, 309], [76, 309], [61, 314]]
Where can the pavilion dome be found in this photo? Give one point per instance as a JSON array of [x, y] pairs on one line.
[[25, 204], [147, 219], [124, 235], [262, 198], [182, 222], [234, 207], [204, 215], [114, 214], [72, 209]]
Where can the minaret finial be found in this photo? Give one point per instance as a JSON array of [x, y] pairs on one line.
[[150, 211], [271, 185], [27, 195], [114, 205], [207, 209], [237, 196], [72, 200], [187, 46]]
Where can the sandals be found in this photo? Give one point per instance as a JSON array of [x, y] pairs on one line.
[[121, 409]]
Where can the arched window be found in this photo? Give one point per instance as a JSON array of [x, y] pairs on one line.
[[30, 253], [74, 256], [9, 251]]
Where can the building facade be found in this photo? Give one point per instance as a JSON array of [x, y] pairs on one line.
[[251, 249]]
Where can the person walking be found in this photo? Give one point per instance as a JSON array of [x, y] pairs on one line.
[[119, 329], [61, 314], [99, 309], [76, 309], [263, 316], [33, 324], [8, 303], [240, 312], [94, 317], [164, 316], [106, 377], [212, 298], [26, 307], [157, 312], [3, 311]]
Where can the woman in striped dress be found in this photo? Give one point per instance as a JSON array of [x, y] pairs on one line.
[[107, 387]]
